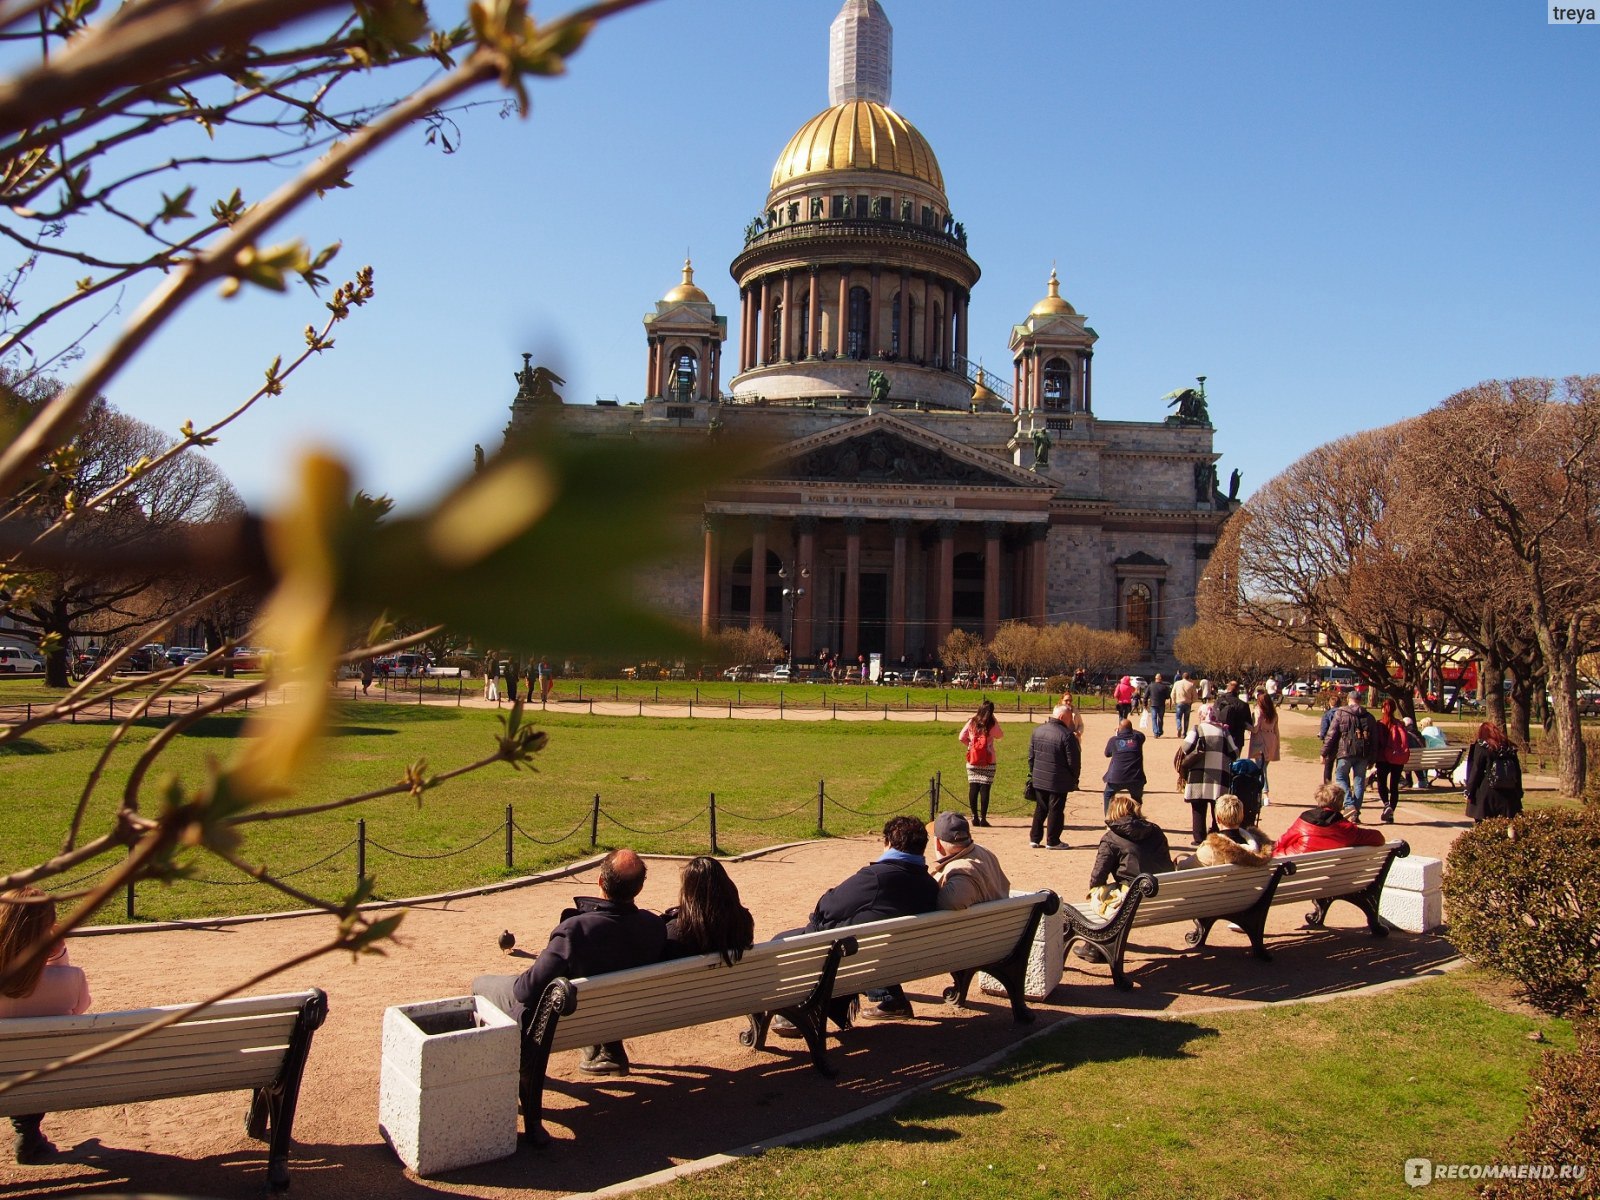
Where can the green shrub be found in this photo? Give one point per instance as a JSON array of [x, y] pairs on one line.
[[1562, 1128], [1524, 900], [1058, 685]]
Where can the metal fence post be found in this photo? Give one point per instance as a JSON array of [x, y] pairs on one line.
[[361, 851], [938, 787], [594, 822], [510, 821], [821, 797], [933, 799], [713, 822]]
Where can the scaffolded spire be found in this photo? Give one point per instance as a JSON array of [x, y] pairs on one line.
[[860, 53]]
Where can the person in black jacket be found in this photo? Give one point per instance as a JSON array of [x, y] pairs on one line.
[[1234, 712], [1054, 759], [1494, 775], [1131, 846], [1125, 749], [896, 884], [602, 933]]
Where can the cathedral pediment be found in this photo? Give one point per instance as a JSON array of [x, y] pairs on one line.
[[881, 449]]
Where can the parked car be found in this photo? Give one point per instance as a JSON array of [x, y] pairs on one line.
[[1036, 683], [780, 673], [924, 677], [16, 661], [743, 673], [392, 666], [963, 679], [1589, 702], [890, 678], [441, 672], [178, 655], [1005, 683]]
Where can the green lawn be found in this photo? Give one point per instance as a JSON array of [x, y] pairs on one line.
[[653, 777], [1312, 1101]]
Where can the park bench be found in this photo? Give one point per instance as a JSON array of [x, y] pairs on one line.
[[1238, 894], [257, 1043], [796, 976], [1440, 759]]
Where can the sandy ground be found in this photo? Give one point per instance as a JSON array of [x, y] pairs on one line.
[[691, 1093]]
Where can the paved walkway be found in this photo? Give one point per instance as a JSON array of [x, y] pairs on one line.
[[692, 1093]]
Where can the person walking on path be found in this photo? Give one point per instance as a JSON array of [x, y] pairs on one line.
[[1233, 712], [1156, 699], [1335, 703], [1392, 749], [1125, 749], [1054, 760], [1208, 751], [491, 680], [546, 679], [1265, 745], [1494, 775], [1351, 743], [1122, 695], [979, 735], [1184, 694]]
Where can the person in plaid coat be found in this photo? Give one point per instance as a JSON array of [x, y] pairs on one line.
[[1202, 785]]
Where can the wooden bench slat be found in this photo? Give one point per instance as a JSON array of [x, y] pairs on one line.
[[126, 1019], [29, 1050], [69, 1092]]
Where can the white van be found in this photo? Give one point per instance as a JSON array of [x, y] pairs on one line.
[[20, 662]]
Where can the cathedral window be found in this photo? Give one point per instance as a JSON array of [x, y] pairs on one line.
[[863, 205], [685, 373], [1138, 618], [841, 207], [860, 312], [1057, 384], [927, 217]]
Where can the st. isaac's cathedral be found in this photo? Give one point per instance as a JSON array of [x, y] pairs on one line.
[[907, 493]]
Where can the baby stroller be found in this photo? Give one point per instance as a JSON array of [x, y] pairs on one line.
[[1247, 786]]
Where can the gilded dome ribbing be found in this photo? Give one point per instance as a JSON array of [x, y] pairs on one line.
[[858, 135]]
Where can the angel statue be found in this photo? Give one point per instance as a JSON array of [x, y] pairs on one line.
[[1041, 447]]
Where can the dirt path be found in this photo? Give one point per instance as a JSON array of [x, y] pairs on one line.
[[695, 1092]]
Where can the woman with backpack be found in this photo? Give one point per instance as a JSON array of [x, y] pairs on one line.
[[1494, 775], [1392, 749], [979, 735]]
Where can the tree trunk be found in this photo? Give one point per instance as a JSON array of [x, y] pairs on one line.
[[1519, 723], [57, 668], [1491, 690]]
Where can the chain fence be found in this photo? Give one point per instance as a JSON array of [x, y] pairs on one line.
[[925, 802]]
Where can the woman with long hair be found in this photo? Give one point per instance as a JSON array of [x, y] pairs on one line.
[[1392, 750], [49, 986], [1264, 744], [708, 918], [979, 735], [1494, 775]]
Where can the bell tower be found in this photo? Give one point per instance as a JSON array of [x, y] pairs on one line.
[[685, 337], [1051, 352]]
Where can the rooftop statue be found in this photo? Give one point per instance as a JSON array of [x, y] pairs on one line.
[[1041, 447], [878, 387], [537, 384], [1191, 407]]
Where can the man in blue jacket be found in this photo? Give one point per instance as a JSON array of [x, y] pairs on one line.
[[895, 884]]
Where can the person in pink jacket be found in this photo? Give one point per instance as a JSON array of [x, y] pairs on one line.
[[50, 987]]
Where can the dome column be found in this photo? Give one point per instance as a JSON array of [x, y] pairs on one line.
[[711, 577], [813, 315], [652, 371], [928, 282], [758, 572], [962, 303], [786, 320], [991, 578], [874, 347], [1088, 381], [764, 324], [744, 330], [947, 326], [842, 326]]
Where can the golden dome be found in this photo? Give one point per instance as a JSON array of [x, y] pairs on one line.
[[1053, 305], [982, 395], [858, 135], [686, 292]]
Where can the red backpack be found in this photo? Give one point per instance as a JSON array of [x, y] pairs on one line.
[[980, 750]]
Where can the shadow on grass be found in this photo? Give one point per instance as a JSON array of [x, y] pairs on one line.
[[24, 746]]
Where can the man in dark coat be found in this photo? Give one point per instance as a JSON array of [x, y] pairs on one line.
[[1054, 758], [1234, 712], [1156, 699], [895, 884], [602, 933]]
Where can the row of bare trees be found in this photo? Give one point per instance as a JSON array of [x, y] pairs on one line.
[[1021, 649], [1470, 532]]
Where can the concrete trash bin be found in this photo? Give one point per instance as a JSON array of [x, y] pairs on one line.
[[448, 1094], [1413, 894], [1046, 960]]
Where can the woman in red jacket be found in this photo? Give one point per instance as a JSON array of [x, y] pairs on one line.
[[1324, 827], [1392, 750]]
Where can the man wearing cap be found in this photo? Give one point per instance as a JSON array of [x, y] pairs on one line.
[[967, 873]]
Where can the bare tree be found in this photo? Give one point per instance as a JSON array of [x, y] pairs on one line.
[[1523, 462], [1231, 650], [1018, 648], [963, 651], [101, 588]]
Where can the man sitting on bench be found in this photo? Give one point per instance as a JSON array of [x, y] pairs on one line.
[[895, 884], [601, 934]]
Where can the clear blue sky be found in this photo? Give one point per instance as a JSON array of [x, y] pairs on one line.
[[1340, 213]]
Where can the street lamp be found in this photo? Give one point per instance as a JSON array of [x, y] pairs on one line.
[[791, 595]]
